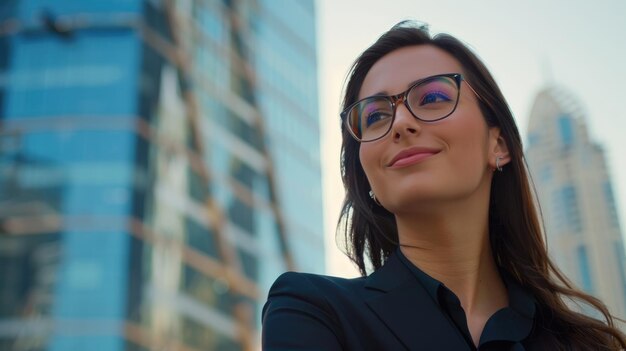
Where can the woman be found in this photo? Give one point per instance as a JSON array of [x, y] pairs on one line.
[[438, 203]]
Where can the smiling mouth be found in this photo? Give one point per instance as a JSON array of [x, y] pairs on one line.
[[409, 159]]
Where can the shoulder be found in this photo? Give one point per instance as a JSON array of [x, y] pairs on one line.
[[307, 283], [321, 291], [306, 309]]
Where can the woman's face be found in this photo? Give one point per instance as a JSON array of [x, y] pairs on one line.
[[447, 160]]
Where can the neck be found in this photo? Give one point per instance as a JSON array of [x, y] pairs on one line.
[[454, 249]]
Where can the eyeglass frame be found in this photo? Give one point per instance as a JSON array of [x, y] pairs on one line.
[[402, 98]]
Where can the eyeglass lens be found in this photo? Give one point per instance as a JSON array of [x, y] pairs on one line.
[[430, 100]]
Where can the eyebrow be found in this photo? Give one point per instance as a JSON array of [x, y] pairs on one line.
[[384, 93]]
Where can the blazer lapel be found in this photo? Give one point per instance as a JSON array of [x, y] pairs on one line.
[[404, 306]]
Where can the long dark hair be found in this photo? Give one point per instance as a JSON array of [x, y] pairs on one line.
[[515, 230]]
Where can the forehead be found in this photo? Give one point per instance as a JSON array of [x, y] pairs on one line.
[[394, 72]]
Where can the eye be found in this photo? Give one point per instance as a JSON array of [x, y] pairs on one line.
[[434, 97], [376, 117]]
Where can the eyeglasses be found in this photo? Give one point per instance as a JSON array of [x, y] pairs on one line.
[[430, 99]]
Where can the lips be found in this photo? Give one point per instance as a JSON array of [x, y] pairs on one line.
[[412, 155]]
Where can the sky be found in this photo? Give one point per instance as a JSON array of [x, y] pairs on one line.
[[577, 45]]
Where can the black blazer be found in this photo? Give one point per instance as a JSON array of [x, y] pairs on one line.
[[388, 310]]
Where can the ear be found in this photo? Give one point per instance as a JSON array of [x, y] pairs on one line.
[[498, 148]]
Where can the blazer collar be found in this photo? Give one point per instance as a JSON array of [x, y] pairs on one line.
[[410, 313]]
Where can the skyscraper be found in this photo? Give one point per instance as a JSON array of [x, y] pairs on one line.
[[574, 188], [159, 167]]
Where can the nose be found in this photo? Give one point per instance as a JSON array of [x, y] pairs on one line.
[[405, 124]]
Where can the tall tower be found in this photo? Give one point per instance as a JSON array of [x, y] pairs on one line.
[[576, 197], [159, 168]]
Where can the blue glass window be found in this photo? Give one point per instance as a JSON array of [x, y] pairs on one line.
[[545, 175], [567, 210], [566, 130], [30, 10], [584, 269], [70, 147], [533, 139], [93, 277], [619, 253], [54, 77], [610, 202]]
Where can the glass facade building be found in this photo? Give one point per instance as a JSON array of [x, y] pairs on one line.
[[159, 167], [574, 188]]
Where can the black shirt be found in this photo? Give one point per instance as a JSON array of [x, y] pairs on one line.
[[510, 328], [397, 307]]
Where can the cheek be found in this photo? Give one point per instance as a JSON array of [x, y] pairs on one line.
[[471, 146], [368, 155]]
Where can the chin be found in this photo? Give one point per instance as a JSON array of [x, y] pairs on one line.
[[426, 198], [409, 200]]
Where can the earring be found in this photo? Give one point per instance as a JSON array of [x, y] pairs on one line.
[[498, 167], [373, 196]]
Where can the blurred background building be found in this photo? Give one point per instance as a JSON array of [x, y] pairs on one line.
[[574, 189], [159, 167]]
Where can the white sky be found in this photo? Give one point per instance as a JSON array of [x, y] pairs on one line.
[[580, 45]]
